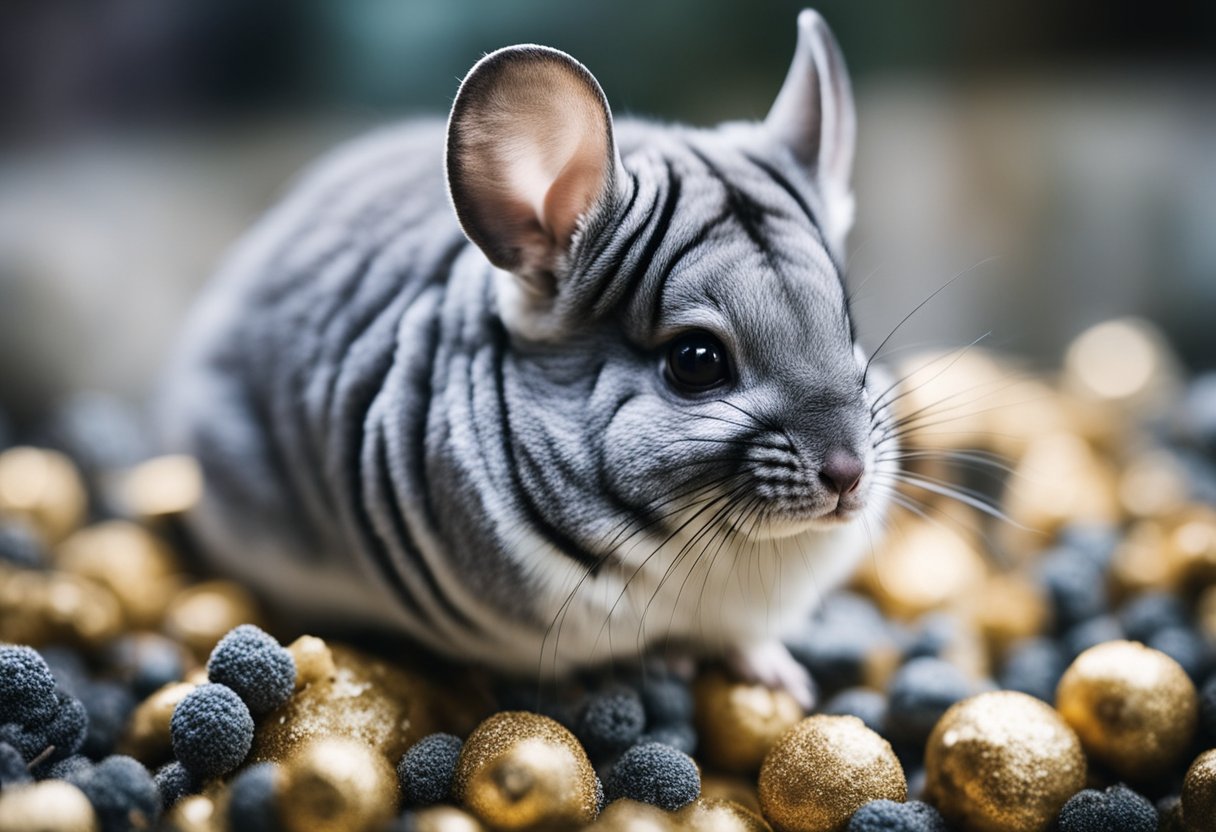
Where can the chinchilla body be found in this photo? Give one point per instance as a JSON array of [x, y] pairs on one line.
[[539, 389]]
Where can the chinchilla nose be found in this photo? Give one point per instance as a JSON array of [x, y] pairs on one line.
[[841, 471]]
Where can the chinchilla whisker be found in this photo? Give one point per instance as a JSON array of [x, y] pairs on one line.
[[720, 523], [896, 386], [625, 525], [965, 499], [559, 617], [737, 442], [722, 534], [936, 409], [723, 420], [688, 521], [713, 522], [645, 561], [965, 272], [924, 511]]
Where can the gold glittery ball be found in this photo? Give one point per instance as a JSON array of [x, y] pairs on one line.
[[1192, 541], [521, 770], [737, 722], [48, 806], [1199, 793], [822, 770], [381, 705], [201, 615], [736, 789], [445, 819], [626, 815], [1072, 483], [43, 488], [922, 567], [1144, 560], [1002, 762], [314, 661], [22, 598], [147, 737], [709, 815], [196, 813], [128, 560], [336, 785], [161, 487], [1133, 707], [1006, 608], [79, 610]]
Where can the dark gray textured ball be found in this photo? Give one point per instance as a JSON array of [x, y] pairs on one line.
[[656, 774], [211, 730], [123, 794], [426, 770], [251, 804], [27, 688], [1115, 808], [252, 663], [889, 816]]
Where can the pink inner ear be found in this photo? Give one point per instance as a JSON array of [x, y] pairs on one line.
[[535, 155], [574, 191]]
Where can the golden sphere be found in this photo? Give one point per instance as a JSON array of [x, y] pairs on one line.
[[201, 615], [708, 815], [737, 722], [378, 704], [445, 819], [1060, 479], [1153, 484], [931, 378], [161, 487], [336, 785], [147, 737], [79, 610], [1134, 708], [1192, 541], [1143, 560], [22, 599], [1199, 793], [314, 661], [822, 770], [626, 815], [521, 770], [128, 560], [733, 788], [1002, 762], [1006, 608], [43, 488], [195, 813], [48, 806], [1125, 362], [921, 567]]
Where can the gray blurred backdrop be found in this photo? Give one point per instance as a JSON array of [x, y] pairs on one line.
[[1064, 152]]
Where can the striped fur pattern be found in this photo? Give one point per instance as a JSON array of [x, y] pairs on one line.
[[395, 437]]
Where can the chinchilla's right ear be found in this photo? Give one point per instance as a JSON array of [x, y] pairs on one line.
[[531, 158], [814, 118]]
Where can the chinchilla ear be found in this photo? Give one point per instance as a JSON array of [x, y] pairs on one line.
[[530, 157], [814, 118]]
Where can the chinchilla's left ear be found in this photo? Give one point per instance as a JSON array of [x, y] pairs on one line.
[[814, 118], [531, 158]]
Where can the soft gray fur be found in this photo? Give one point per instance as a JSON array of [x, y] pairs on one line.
[[397, 433]]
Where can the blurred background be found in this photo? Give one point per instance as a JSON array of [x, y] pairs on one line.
[[1063, 155]]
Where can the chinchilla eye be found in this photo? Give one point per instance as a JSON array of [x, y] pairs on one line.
[[696, 361]]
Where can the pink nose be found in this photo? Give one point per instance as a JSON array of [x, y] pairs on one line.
[[841, 471]]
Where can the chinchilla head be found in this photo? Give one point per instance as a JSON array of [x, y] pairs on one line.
[[673, 297]]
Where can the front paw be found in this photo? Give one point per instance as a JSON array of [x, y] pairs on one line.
[[770, 664]]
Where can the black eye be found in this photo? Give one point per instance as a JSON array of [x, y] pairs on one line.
[[697, 361]]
